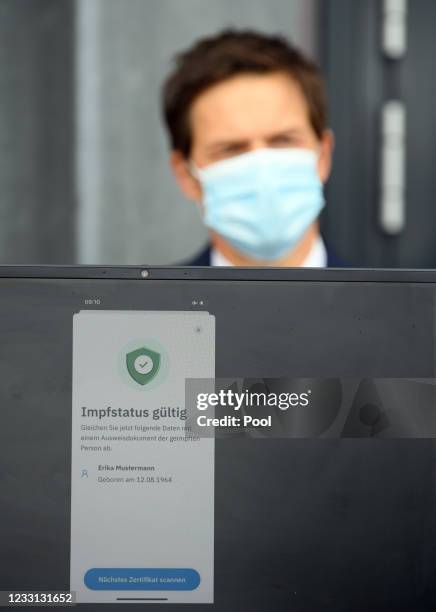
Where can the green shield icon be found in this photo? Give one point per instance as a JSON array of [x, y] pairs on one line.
[[143, 365]]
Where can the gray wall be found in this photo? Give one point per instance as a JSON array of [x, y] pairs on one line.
[[37, 193], [129, 208]]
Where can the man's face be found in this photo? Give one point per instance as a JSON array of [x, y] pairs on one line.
[[245, 113]]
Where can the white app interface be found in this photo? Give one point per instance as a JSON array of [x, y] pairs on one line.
[[142, 485]]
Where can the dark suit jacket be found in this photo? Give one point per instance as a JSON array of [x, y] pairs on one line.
[[203, 259]]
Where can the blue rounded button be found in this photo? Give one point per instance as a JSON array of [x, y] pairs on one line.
[[141, 579]]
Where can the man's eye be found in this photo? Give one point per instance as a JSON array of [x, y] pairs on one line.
[[283, 141], [229, 151], [232, 149]]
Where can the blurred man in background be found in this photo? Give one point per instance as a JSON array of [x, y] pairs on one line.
[[247, 119]]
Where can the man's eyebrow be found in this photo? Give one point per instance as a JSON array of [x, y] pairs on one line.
[[295, 131]]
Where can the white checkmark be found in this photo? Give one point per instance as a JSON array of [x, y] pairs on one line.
[[143, 364]]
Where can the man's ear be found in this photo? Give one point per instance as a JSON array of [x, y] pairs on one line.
[[326, 155], [188, 184]]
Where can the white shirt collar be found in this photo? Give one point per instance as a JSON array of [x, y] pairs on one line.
[[316, 258]]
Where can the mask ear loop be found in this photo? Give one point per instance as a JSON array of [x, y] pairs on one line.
[[195, 172], [318, 159]]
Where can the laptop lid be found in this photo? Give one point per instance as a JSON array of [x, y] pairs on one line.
[[127, 478]]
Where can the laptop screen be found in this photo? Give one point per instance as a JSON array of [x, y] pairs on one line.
[[224, 440]]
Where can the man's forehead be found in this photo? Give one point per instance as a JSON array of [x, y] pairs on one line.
[[249, 106]]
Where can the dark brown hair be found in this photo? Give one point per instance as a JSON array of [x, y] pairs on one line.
[[229, 53]]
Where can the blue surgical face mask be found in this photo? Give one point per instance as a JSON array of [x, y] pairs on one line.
[[262, 202]]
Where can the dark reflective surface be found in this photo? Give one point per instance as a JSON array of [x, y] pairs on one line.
[[300, 525]]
